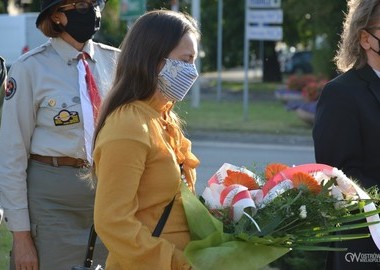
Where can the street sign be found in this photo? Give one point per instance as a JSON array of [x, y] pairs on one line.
[[264, 33], [265, 16], [258, 27], [130, 9], [264, 3]]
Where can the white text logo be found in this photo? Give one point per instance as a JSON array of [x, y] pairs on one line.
[[362, 257]]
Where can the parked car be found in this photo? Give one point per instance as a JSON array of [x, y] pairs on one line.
[[299, 62]]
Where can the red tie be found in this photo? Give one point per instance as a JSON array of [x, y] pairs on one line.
[[92, 88]]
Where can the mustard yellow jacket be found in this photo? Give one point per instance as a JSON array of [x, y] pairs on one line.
[[136, 159]]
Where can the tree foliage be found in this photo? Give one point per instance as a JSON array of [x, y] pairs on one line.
[[112, 30], [314, 25]]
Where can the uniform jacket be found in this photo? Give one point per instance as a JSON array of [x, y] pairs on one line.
[[347, 125], [42, 115]]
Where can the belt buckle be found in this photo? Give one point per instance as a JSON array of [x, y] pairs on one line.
[[55, 161], [82, 163]]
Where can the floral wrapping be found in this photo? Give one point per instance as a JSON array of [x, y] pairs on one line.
[[245, 221]]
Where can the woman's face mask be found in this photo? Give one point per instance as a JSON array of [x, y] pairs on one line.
[[82, 25], [176, 78]]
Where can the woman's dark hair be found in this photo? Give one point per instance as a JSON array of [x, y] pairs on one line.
[[47, 26], [151, 39]]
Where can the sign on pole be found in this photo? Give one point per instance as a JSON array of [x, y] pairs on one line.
[[259, 21], [263, 19], [264, 3], [130, 9], [264, 33], [265, 16]]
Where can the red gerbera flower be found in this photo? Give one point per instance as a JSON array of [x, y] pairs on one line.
[[273, 168], [303, 179], [236, 177]]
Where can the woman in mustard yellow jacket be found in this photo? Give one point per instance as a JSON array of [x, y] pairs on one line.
[[140, 154]]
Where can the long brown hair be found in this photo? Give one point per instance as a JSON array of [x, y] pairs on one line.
[[151, 39]]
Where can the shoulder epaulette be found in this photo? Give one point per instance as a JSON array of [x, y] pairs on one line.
[[34, 51], [107, 47]]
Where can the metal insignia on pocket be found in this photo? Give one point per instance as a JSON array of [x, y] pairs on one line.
[[51, 102]]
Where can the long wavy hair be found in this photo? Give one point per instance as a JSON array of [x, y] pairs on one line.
[[151, 39], [362, 14]]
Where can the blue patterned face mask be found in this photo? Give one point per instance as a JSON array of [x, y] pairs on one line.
[[176, 78]]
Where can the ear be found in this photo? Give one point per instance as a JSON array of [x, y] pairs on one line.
[[56, 18], [364, 40]]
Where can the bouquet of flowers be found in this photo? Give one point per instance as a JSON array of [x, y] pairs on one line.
[[245, 221]]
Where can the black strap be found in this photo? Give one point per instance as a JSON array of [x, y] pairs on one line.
[[164, 217], [157, 231], [90, 248]]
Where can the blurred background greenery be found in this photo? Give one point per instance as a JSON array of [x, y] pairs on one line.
[[307, 25]]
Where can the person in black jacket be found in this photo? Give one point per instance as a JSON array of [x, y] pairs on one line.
[[346, 132]]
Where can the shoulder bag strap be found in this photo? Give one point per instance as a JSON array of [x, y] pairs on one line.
[[164, 217], [90, 248], [157, 231]]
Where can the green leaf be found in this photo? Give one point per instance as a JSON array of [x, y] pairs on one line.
[[219, 251], [358, 216], [332, 238], [318, 248], [323, 230], [201, 222]]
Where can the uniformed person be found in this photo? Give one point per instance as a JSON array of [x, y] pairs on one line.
[[44, 140]]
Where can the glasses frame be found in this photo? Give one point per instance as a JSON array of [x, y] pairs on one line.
[[372, 27], [372, 34], [86, 5]]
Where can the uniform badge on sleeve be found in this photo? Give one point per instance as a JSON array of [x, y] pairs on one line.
[[10, 90]]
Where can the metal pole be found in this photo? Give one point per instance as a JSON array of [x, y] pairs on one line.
[[262, 55], [219, 50], [246, 59], [174, 5], [195, 101]]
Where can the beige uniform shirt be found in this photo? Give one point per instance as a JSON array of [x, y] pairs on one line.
[[42, 115]]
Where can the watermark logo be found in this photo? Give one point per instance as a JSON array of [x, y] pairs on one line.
[[362, 257]]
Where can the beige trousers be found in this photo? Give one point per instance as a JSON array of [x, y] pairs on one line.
[[61, 212]]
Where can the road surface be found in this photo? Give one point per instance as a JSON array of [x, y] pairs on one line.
[[213, 154]]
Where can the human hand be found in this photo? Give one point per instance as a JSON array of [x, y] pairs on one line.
[[24, 251]]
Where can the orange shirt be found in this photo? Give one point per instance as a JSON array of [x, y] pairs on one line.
[[138, 175]]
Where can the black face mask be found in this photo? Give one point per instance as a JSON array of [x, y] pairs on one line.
[[82, 26]]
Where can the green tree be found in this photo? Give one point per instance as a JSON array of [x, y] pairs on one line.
[[233, 33], [316, 25], [113, 29]]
